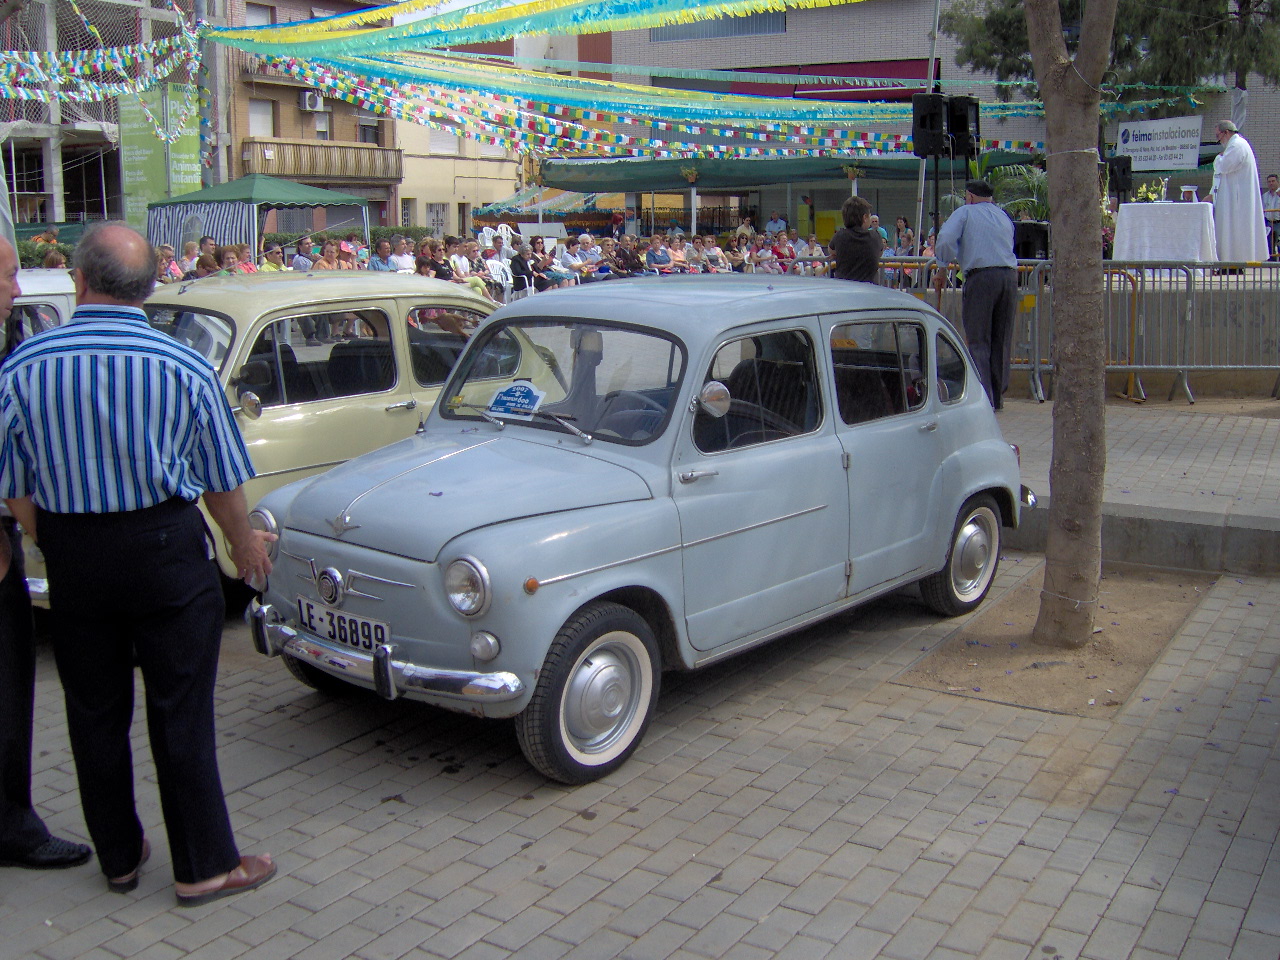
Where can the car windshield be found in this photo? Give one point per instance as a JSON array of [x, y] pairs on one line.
[[593, 380], [207, 333]]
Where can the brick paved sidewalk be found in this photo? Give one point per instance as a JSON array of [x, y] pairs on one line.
[[795, 802]]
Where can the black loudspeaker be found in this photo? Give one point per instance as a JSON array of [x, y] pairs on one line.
[[1030, 240], [1120, 172], [928, 117], [962, 126]]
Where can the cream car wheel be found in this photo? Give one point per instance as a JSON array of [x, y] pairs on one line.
[[595, 695]]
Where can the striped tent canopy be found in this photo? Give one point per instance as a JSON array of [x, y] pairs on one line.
[[550, 200], [233, 212]]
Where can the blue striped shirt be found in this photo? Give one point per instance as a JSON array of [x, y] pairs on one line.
[[106, 414]]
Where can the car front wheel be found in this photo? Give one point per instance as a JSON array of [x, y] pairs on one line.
[[595, 695], [971, 561]]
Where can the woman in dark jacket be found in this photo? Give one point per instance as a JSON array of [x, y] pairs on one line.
[[521, 274], [856, 246]]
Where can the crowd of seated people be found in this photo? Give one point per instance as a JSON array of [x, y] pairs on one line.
[[511, 265]]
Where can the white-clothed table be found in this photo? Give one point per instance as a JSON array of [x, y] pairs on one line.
[[1165, 231]]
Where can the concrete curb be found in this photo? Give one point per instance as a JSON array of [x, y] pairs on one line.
[[1170, 537]]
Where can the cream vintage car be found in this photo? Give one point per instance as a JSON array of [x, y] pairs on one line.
[[319, 367]]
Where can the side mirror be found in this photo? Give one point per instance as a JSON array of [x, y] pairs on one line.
[[250, 404], [714, 399]]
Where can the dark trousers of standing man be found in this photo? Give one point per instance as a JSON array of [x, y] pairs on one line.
[[21, 829], [141, 581], [989, 301]]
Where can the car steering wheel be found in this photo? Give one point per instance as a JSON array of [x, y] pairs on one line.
[[764, 417], [646, 403]]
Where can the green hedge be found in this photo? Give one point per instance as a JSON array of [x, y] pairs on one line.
[[32, 254]]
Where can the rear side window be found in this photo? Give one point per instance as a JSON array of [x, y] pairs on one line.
[[437, 336], [880, 369], [951, 372]]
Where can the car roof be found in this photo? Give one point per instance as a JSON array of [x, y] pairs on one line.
[[701, 305], [264, 292], [41, 282]]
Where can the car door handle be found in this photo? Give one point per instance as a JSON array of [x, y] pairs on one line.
[[929, 426], [406, 405], [692, 475]]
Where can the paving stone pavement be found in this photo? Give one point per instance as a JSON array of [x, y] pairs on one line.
[[794, 802]]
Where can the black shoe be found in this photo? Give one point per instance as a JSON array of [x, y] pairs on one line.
[[54, 854]]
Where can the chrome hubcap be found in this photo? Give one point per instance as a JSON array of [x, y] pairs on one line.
[[971, 557], [600, 698]]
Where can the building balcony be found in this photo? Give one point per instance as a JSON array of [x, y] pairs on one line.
[[323, 161]]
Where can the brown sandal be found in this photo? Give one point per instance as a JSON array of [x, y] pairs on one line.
[[252, 872]]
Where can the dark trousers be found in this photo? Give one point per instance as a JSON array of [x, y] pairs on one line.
[[140, 583], [21, 829], [989, 301]]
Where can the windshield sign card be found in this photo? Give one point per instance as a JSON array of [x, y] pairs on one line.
[[518, 400]]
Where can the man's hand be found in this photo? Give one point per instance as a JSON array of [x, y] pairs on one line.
[[939, 279], [253, 565], [249, 547]]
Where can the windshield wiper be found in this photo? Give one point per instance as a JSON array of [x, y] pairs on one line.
[[583, 436], [484, 413]]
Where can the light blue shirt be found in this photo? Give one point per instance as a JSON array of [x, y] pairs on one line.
[[106, 414], [975, 236]]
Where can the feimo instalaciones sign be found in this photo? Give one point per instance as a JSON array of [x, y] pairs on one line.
[[1171, 144]]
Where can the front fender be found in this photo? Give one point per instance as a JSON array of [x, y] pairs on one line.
[[543, 569]]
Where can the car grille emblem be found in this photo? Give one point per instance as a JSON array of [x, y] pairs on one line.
[[330, 587], [342, 523]]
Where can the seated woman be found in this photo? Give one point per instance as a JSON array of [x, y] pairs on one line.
[[658, 258], [734, 256], [679, 255]]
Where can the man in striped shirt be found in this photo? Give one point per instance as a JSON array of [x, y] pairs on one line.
[[109, 432]]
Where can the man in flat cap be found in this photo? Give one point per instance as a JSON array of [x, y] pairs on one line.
[[979, 236], [1237, 204]]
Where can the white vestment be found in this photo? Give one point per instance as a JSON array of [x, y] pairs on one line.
[[1237, 204]]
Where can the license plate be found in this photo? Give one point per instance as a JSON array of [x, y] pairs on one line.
[[359, 633]]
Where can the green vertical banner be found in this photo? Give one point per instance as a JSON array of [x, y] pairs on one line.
[[149, 170]]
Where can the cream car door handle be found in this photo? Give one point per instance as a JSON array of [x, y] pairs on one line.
[[692, 475], [406, 405], [929, 426]]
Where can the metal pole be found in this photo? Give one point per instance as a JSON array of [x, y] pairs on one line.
[[693, 207], [102, 182], [929, 78], [199, 11]]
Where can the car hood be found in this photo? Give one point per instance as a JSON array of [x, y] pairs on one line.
[[413, 497]]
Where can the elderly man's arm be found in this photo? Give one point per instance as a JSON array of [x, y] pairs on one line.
[[230, 511], [24, 511]]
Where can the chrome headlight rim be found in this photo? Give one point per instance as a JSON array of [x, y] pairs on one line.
[[481, 574], [260, 518]]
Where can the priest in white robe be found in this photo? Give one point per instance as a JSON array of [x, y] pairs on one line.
[[1237, 203]]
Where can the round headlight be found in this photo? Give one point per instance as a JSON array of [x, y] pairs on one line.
[[466, 583], [261, 519]]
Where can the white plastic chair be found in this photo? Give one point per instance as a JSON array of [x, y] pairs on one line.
[[500, 272]]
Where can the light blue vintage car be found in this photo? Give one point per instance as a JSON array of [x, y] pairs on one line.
[[638, 476]]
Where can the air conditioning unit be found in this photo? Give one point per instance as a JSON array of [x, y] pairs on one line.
[[311, 101]]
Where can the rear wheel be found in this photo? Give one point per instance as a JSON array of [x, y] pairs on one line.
[[971, 562], [595, 695]]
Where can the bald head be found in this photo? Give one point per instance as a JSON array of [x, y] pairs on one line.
[[114, 264]]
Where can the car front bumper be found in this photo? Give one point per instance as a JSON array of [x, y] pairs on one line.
[[273, 635]]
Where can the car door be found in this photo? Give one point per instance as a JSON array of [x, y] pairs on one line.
[[887, 425], [330, 386], [761, 493]]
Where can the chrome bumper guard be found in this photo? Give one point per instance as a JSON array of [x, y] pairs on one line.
[[390, 677], [38, 588], [1028, 496]]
